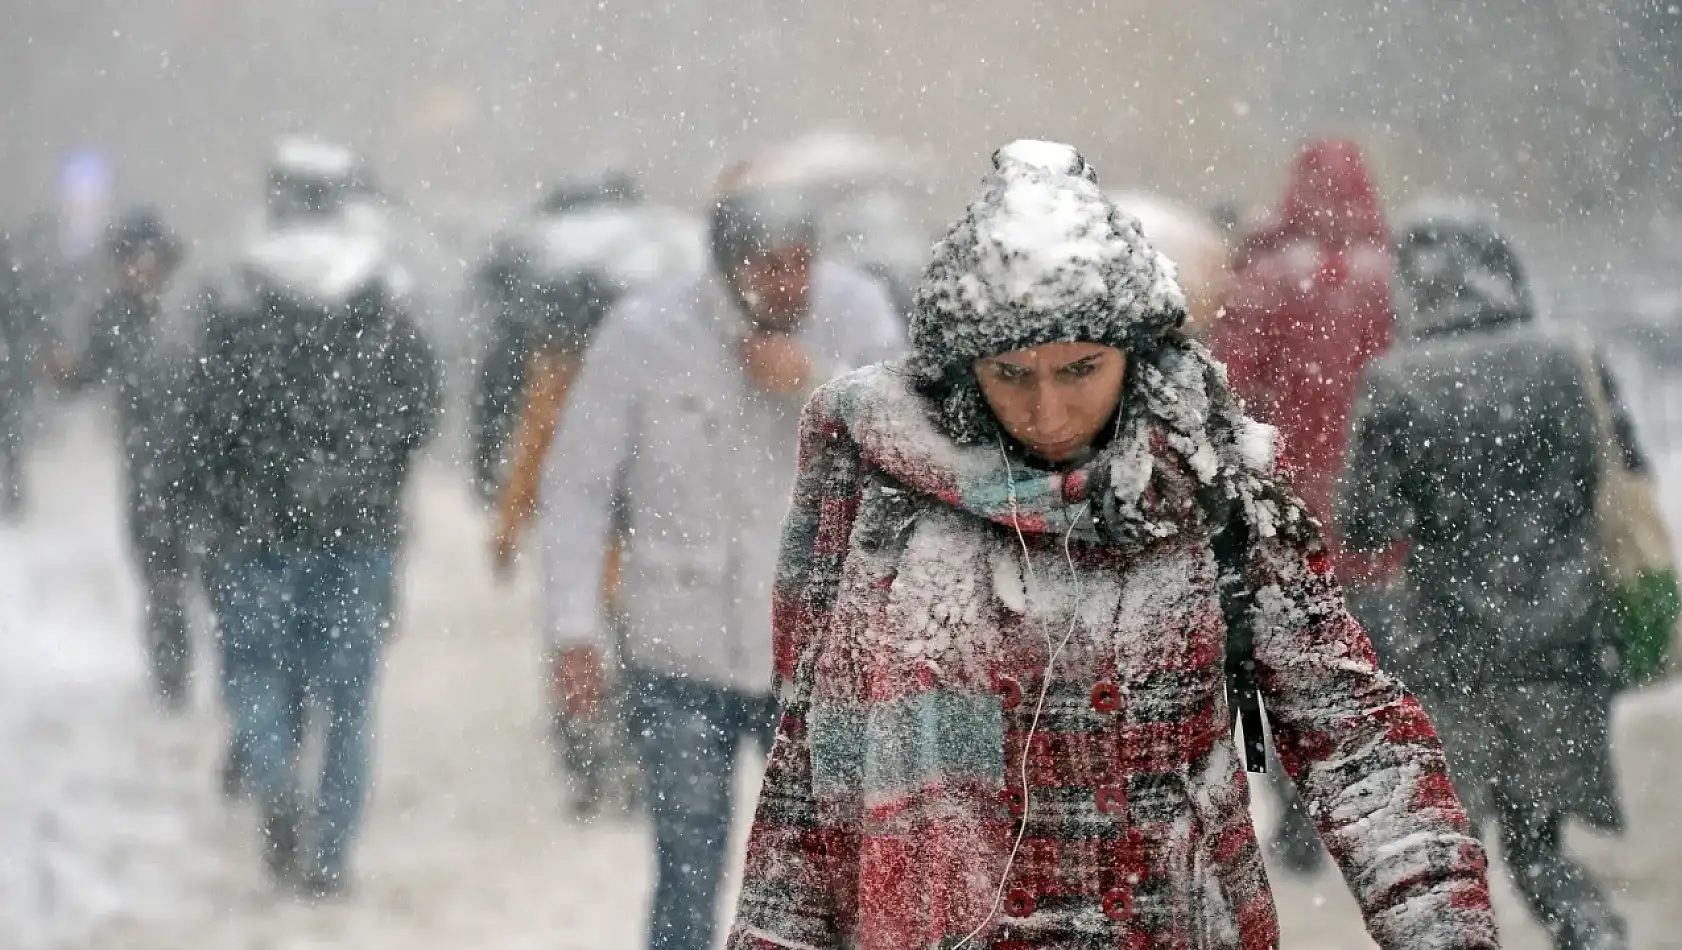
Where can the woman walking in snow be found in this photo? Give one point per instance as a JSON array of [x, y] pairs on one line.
[[998, 609]]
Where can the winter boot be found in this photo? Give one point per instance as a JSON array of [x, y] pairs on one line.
[[234, 765], [1588, 924], [281, 844], [322, 885]]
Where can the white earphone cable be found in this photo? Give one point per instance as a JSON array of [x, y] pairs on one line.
[[1030, 584]]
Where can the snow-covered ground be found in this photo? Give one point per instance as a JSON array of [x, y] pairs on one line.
[[112, 836]]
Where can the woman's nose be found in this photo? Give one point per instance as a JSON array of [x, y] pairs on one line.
[[1050, 413]]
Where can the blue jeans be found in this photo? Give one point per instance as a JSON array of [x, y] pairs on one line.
[[691, 733], [300, 629]]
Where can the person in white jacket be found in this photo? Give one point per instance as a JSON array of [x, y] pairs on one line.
[[684, 419]]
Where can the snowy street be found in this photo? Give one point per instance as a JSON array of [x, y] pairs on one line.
[[112, 833]]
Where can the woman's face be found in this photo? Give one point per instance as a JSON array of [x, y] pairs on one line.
[[1056, 398]]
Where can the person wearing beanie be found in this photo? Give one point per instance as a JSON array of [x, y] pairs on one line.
[[679, 434], [1000, 613], [1477, 441]]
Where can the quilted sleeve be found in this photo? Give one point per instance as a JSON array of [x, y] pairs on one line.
[[1367, 761]]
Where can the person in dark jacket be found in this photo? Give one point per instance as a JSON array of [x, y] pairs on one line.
[[1476, 443], [23, 347], [313, 398], [525, 305], [144, 255]]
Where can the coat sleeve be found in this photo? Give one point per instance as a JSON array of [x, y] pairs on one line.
[[1367, 762], [793, 857], [594, 440], [106, 329], [496, 396], [868, 331], [419, 383], [1623, 424], [1374, 500]]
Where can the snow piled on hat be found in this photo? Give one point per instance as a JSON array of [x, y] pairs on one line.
[[1041, 256]]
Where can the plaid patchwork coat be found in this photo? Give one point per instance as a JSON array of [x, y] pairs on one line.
[[1020, 739]]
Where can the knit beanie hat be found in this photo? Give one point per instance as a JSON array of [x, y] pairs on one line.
[[1041, 256]]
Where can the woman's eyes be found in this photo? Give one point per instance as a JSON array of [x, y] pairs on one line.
[[1011, 373]]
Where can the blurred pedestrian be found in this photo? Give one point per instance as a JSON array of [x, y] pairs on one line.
[[315, 392], [596, 242], [24, 347], [1308, 308], [144, 255], [684, 413], [999, 604], [1477, 442], [514, 288]]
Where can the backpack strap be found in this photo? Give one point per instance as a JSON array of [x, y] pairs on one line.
[[1229, 539]]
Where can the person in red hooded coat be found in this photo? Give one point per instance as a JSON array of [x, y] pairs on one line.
[[1308, 309]]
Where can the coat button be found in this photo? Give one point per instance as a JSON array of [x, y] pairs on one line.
[[1014, 801], [1010, 692], [1106, 698], [1112, 800], [1019, 903], [1118, 904]]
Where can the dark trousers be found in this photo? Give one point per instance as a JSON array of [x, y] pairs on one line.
[[692, 733], [304, 628], [159, 549], [1557, 889], [11, 461], [1524, 758]]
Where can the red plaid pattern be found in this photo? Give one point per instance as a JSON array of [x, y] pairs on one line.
[[894, 799]]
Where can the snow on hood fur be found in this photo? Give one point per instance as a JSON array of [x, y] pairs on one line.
[[1457, 272], [322, 264], [1041, 256], [1044, 256]]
